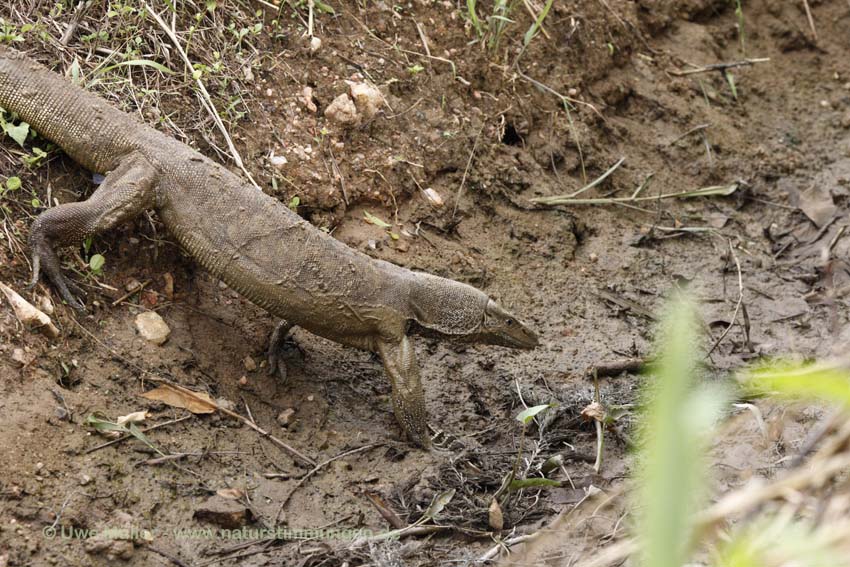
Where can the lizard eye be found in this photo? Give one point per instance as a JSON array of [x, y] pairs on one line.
[[509, 322]]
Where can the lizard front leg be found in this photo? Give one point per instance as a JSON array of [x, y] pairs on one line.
[[399, 361], [124, 193]]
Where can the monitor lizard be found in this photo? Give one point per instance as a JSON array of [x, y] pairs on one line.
[[252, 241]]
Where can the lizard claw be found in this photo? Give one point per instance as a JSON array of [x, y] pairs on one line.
[[67, 289], [280, 345]]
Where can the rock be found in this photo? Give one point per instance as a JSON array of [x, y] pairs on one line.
[[433, 197], [367, 99], [249, 364], [113, 549], [315, 44], [115, 538], [152, 327], [20, 356], [45, 304], [285, 418], [223, 512], [342, 111], [168, 288], [307, 99], [133, 285], [845, 119], [277, 161]]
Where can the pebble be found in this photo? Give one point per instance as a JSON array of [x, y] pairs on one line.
[[19, 356], [315, 44], [223, 512], [285, 418], [152, 327], [307, 99], [433, 197], [342, 111], [249, 364]]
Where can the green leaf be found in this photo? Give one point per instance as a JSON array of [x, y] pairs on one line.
[[13, 183], [322, 7], [526, 416], [829, 381], [18, 133], [97, 262], [99, 422], [294, 202], [35, 203], [518, 484], [731, 80], [372, 219]]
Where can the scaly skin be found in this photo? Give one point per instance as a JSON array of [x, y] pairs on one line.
[[253, 242]]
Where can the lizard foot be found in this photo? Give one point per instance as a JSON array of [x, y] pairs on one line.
[[446, 441], [68, 290]]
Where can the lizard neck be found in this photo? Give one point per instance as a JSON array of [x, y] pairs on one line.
[[445, 306]]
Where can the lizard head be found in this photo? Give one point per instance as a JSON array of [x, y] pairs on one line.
[[458, 310], [500, 327]]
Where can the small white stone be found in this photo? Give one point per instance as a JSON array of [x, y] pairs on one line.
[[315, 44], [152, 327], [433, 197], [249, 364], [277, 161]]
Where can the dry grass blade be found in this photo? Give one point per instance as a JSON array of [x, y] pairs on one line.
[[714, 190]]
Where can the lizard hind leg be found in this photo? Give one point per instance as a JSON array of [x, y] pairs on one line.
[[399, 360], [279, 344], [126, 192]]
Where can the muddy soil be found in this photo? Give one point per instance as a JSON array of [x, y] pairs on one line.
[[487, 131]]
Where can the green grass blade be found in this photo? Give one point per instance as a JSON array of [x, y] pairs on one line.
[[535, 27], [678, 420], [139, 63]]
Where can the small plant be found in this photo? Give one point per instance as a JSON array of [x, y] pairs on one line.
[[96, 264], [10, 33], [494, 26], [739, 14]]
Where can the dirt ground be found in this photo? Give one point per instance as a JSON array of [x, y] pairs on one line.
[[484, 128]]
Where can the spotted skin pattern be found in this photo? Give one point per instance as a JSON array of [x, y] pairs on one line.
[[250, 240]]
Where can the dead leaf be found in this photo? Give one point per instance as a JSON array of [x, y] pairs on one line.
[[195, 402], [594, 411], [135, 417], [231, 493], [496, 518], [816, 203]]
